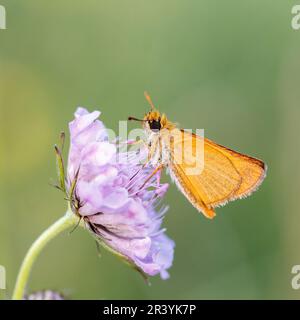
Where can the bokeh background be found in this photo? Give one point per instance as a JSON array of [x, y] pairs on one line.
[[231, 67]]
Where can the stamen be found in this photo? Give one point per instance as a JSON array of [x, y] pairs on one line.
[[155, 234]]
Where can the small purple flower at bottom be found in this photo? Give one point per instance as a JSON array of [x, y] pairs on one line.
[[115, 198], [45, 295]]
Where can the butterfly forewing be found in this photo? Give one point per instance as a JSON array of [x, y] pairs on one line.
[[225, 174]]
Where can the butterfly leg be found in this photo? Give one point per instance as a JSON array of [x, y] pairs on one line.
[[154, 172], [146, 161], [158, 177]]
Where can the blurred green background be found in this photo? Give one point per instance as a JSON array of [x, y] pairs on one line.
[[231, 67]]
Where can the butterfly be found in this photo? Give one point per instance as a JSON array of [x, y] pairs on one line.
[[208, 174]]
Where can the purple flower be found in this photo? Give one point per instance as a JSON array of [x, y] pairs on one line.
[[115, 197], [45, 295]]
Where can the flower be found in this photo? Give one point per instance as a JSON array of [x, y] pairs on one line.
[[45, 295], [116, 198]]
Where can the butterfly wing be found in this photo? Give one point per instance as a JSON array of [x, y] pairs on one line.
[[252, 170], [225, 175]]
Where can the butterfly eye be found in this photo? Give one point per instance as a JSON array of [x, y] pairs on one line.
[[155, 125]]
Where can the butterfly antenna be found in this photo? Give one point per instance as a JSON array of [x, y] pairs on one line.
[[135, 119], [148, 98]]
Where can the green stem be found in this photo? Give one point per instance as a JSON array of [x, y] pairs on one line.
[[65, 222]]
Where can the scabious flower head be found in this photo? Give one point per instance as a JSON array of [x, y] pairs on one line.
[[114, 196]]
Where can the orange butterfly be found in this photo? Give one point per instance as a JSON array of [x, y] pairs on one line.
[[208, 174]]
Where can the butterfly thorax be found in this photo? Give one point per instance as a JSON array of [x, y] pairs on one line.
[[158, 128]]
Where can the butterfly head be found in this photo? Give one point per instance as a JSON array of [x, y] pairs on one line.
[[154, 120]]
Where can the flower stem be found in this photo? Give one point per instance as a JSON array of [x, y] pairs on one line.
[[65, 222]]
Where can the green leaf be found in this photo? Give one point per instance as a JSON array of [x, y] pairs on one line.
[[60, 168]]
